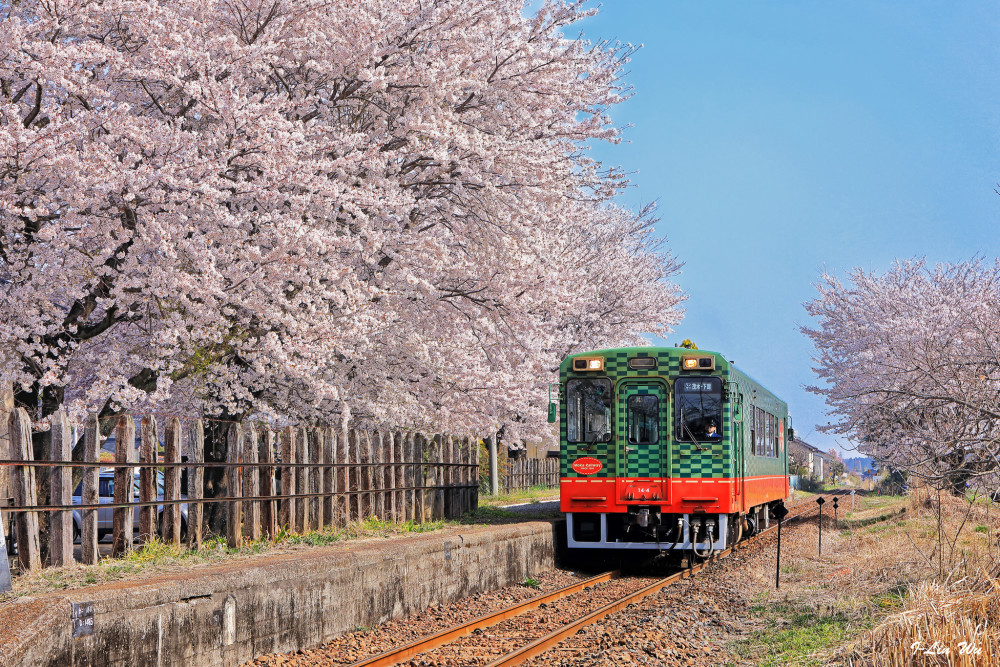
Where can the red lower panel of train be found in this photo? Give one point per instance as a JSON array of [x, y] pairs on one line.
[[673, 495]]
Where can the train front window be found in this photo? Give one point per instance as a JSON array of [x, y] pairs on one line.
[[699, 409], [642, 416], [588, 410]]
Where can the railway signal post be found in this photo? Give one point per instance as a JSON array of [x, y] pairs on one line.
[[779, 512], [835, 513], [820, 501]]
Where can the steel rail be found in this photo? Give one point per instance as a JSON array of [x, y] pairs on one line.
[[543, 644], [397, 655]]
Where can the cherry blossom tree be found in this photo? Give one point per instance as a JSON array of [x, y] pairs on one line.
[[911, 366], [315, 209]]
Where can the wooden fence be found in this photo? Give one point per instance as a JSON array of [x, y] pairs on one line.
[[294, 479], [527, 473]]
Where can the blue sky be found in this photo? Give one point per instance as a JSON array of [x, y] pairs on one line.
[[782, 138]]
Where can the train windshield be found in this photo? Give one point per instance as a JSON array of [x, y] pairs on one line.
[[699, 409], [588, 410]]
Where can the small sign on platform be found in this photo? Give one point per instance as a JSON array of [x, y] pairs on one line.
[[83, 619], [5, 582]]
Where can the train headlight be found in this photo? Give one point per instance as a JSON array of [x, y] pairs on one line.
[[699, 363], [588, 364]]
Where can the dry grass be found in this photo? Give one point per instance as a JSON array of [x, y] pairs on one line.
[[947, 552], [877, 588], [942, 625]]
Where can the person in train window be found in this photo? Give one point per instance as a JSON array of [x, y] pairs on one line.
[[711, 431]]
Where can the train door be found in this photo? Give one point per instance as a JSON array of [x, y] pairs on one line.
[[738, 444], [643, 439]]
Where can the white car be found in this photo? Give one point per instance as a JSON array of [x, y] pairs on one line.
[[106, 494]]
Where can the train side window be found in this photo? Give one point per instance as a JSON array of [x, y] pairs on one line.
[[588, 410], [642, 417], [774, 436], [761, 449], [767, 434]]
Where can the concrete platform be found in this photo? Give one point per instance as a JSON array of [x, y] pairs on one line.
[[229, 613]]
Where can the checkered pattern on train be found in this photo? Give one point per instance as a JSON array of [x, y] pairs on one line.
[[714, 459], [616, 367], [713, 462], [686, 461]]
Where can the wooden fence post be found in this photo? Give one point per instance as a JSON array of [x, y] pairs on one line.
[[343, 476], [121, 527], [388, 476], [172, 482], [196, 484], [419, 476], [61, 492], [319, 475], [398, 478], [302, 480], [408, 477], [461, 446], [329, 476], [355, 501], [475, 490], [471, 473], [449, 478], [287, 517], [269, 510], [148, 447], [444, 476], [88, 538], [435, 495], [251, 485], [234, 523], [367, 473], [23, 478], [378, 476]]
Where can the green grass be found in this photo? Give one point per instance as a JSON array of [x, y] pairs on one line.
[[485, 514], [793, 635], [531, 583], [532, 495]]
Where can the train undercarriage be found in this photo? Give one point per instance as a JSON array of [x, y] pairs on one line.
[[649, 528]]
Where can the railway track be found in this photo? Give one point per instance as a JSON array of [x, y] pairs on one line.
[[525, 630]]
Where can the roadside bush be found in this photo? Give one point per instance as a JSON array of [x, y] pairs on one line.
[[810, 485]]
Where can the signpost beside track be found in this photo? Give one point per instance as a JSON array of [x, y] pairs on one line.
[[820, 501], [780, 512]]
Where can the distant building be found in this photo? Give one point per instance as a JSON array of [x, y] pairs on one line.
[[814, 460], [858, 464]]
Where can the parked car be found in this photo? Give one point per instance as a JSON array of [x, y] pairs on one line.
[[106, 494]]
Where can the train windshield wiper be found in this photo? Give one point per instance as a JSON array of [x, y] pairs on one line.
[[600, 434], [694, 440]]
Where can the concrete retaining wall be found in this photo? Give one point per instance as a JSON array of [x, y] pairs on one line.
[[228, 614]]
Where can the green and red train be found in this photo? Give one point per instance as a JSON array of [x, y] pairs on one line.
[[668, 449]]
